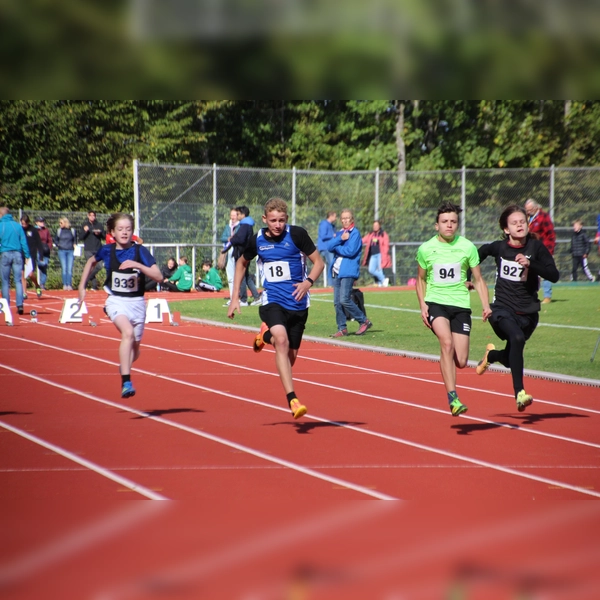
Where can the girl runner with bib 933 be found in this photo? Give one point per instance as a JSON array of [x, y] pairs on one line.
[[127, 266], [443, 262]]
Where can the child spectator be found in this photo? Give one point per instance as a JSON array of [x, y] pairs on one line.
[[182, 280], [166, 270], [580, 248], [211, 282]]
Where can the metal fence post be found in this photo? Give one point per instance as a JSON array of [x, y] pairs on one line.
[[294, 196], [551, 199], [136, 197], [463, 200], [214, 232], [376, 216]]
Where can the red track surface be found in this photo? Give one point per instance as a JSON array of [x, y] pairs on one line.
[[499, 502]]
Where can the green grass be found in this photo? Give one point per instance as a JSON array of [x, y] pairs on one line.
[[563, 350]]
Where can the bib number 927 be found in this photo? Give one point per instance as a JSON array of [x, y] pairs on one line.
[[512, 270]]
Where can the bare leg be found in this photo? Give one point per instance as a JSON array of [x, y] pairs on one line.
[[461, 349], [284, 357], [441, 328], [128, 348]]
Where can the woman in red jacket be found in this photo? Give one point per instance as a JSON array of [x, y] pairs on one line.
[[377, 254]]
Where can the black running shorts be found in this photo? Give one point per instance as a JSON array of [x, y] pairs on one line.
[[459, 318], [294, 321]]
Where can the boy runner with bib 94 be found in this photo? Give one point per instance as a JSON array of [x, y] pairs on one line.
[[127, 266], [443, 262], [282, 250]]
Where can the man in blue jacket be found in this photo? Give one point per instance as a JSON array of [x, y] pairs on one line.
[[346, 247], [13, 251], [325, 235]]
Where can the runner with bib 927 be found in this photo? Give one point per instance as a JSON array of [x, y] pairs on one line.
[[521, 260], [443, 263]]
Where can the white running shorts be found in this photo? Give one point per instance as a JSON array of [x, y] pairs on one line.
[[133, 308]]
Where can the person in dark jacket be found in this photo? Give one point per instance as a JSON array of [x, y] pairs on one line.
[[34, 243], [92, 234], [520, 261], [580, 248], [167, 271], [44, 260], [66, 240], [239, 240]]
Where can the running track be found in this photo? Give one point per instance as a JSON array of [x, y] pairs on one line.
[[377, 493]]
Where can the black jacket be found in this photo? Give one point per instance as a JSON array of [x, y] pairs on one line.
[[92, 238], [240, 239], [516, 287], [34, 242], [580, 244]]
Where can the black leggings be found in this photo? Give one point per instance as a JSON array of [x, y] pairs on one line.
[[516, 330]]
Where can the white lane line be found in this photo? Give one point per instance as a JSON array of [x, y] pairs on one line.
[[88, 464], [245, 449], [414, 310], [510, 426], [349, 467], [369, 370], [71, 543], [395, 439]]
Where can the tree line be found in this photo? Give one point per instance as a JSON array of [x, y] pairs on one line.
[[65, 155]]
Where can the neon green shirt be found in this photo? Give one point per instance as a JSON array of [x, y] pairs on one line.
[[183, 278], [446, 265]]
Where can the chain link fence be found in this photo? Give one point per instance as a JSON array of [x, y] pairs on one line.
[[182, 209], [190, 204]]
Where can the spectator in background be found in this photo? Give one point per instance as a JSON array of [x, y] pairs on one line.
[[13, 248], [34, 243], [325, 234], [182, 280], [92, 234], [44, 260], [377, 254], [211, 282], [541, 225], [239, 240], [228, 231], [346, 247], [66, 240], [167, 271], [580, 248]]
